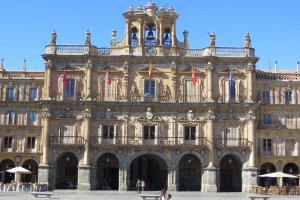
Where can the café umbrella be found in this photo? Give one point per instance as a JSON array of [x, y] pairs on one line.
[[279, 175], [18, 171]]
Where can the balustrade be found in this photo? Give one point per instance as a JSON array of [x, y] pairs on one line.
[[280, 151], [67, 140]]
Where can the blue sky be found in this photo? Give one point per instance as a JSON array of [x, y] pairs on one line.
[[26, 26]]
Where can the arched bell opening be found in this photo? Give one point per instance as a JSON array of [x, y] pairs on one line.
[[134, 36], [167, 37], [150, 34]]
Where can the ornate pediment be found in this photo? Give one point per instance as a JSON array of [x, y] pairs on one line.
[[146, 70], [234, 71], [111, 69]]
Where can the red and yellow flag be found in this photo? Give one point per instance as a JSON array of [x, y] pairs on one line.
[[194, 79], [107, 76], [150, 71]]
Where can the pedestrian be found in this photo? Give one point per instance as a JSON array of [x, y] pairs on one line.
[[163, 193], [138, 185], [143, 185], [169, 196]]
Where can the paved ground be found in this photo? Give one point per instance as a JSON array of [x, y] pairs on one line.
[[131, 195]]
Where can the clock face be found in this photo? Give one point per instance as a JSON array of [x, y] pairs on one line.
[[150, 51]]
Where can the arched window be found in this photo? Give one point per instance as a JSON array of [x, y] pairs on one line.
[[150, 33], [167, 37], [134, 36]]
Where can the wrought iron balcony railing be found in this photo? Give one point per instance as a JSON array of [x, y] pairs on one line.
[[150, 141], [67, 140], [232, 143], [279, 125]]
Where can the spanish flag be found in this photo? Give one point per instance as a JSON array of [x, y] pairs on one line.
[[150, 71], [194, 79], [107, 76]]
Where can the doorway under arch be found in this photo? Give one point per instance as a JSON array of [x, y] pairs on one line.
[[152, 168], [230, 174], [293, 169], [67, 171], [5, 176], [108, 172], [32, 166], [189, 173], [265, 169]]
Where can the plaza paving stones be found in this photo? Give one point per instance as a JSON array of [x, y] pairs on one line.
[[132, 195]]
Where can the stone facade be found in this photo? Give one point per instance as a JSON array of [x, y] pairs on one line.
[[149, 107]]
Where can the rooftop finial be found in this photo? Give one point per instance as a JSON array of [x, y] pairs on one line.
[[1, 64], [88, 38], [53, 38], [276, 66], [298, 66], [24, 65]]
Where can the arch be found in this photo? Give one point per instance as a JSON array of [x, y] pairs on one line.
[[189, 173], [152, 168], [291, 168], [194, 153], [31, 165], [230, 174], [6, 177], [130, 159], [66, 171], [107, 172], [134, 36], [150, 33], [167, 37], [264, 169]]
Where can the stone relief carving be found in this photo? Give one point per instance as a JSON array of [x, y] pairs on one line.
[[134, 94]]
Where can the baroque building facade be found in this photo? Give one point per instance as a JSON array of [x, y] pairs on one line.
[[151, 108]]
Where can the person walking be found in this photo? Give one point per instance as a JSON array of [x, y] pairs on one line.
[[143, 185], [138, 185]]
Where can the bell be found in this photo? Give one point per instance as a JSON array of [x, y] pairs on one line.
[[150, 35], [167, 36], [134, 36]]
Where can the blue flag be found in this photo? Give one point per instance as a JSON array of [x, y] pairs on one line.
[[231, 85]]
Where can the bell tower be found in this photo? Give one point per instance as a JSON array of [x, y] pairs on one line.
[[150, 27]]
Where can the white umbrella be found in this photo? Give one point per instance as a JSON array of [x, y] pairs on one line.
[[279, 175], [17, 171]]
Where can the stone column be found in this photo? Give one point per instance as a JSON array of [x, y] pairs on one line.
[[161, 34], [173, 35], [141, 35], [128, 32], [89, 66], [250, 70], [209, 178], [48, 74], [209, 70], [44, 168], [84, 170], [123, 173], [250, 172]]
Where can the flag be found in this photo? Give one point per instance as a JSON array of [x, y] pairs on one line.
[[107, 76], [150, 71], [194, 79], [64, 79], [231, 85]]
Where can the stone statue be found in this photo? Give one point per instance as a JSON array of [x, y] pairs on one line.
[[212, 39], [167, 94], [87, 38], [53, 38], [134, 93], [247, 40]]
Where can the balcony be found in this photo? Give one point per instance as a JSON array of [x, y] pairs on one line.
[[228, 143], [68, 140], [280, 151], [158, 141]]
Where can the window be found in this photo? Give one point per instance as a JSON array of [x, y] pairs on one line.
[[290, 147], [11, 117], [192, 92], [32, 117], [108, 132], [231, 137], [288, 97], [10, 94], [266, 119], [33, 94], [149, 88], [68, 134], [70, 88], [230, 93], [149, 132], [267, 144], [30, 142], [7, 142], [109, 91], [266, 96], [189, 132]]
